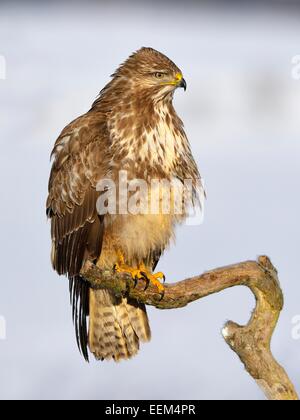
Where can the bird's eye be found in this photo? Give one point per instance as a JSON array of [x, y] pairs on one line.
[[159, 75]]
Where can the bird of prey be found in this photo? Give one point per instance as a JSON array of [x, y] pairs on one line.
[[132, 127]]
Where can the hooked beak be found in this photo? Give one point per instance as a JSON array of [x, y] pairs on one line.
[[183, 84], [178, 82]]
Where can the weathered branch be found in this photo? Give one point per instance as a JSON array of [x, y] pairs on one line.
[[252, 342]]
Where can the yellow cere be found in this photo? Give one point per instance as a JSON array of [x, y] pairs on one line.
[[178, 79]]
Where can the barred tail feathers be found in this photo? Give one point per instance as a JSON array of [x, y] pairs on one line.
[[117, 326]]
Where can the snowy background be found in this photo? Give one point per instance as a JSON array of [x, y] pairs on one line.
[[241, 113]]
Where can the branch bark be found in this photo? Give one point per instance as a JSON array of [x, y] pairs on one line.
[[252, 343]]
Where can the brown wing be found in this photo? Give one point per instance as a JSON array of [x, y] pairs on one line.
[[79, 162]]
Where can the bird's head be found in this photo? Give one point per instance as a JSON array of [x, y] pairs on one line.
[[152, 73]]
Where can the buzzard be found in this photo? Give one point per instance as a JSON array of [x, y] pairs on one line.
[[132, 128]]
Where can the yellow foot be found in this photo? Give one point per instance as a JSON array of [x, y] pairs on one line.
[[154, 279], [123, 268], [141, 273]]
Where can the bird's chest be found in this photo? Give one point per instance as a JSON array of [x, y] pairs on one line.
[[160, 146], [144, 155], [149, 149]]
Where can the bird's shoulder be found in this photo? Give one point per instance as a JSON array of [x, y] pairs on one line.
[[80, 158], [77, 137]]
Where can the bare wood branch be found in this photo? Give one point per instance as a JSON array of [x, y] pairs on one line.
[[252, 343]]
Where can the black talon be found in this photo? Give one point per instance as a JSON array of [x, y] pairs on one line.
[[136, 279], [146, 280], [162, 296], [164, 279]]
